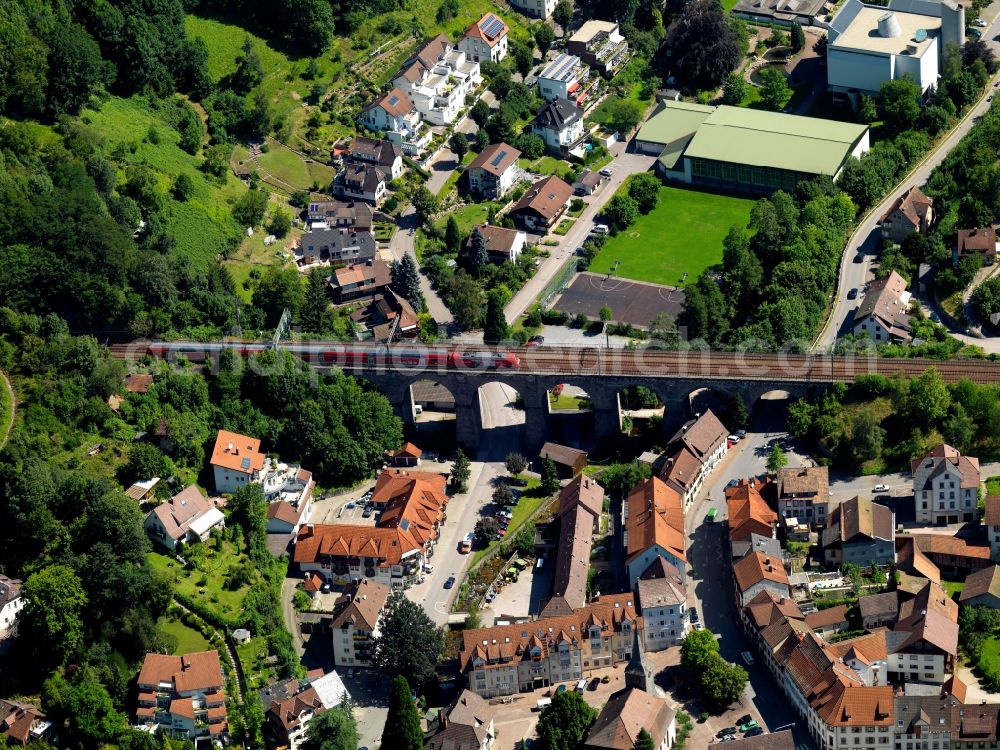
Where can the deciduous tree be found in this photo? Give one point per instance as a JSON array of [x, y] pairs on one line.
[[776, 458], [644, 189], [704, 47], [515, 464], [563, 723], [735, 89], [334, 729], [53, 613]]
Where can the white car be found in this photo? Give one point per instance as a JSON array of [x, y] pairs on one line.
[[428, 568], [601, 229], [606, 172], [980, 23], [881, 488], [733, 438]]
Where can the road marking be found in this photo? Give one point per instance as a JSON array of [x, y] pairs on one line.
[[440, 607]]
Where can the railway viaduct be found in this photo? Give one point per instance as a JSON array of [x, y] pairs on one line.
[[674, 391]]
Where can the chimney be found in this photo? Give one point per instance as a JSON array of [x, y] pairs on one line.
[[229, 447]]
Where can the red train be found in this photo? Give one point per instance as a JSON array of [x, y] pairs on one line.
[[346, 355]]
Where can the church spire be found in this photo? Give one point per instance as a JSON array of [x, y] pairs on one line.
[[639, 671]]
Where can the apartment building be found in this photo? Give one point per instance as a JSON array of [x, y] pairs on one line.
[[394, 115], [494, 171], [692, 453], [356, 615], [663, 605], [437, 79], [183, 695], [991, 519], [561, 78], [601, 45], [748, 512], [945, 486], [653, 527], [342, 553], [804, 493], [290, 706], [506, 659]]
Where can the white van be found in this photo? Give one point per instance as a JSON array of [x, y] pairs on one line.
[[543, 703], [600, 229], [581, 685]]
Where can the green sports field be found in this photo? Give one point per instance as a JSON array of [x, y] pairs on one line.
[[683, 234]]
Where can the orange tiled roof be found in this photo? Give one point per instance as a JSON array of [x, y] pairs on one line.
[[387, 546], [748, 512], [197, 671], [237, 452], [655, 516], [756, 567]]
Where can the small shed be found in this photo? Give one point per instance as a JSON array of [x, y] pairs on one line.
[[241, 635], [569, 461], [407, 456]]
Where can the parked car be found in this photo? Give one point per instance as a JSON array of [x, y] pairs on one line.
[[538, 339], [733, 438], [450, 582], [755, 732], [747, 658], [561, 689], [859, 258], [428, 568], [744, 719], [881, 488], [367, 512], [853, 294], [747, 726], [981, 23], [601, 229], [693, 614], [741, 434], [594, 683], [727, 732], [606, 172], [732, 482]]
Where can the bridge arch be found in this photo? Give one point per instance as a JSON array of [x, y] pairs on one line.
[[430, 412]]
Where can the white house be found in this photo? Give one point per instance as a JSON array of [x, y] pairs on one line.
[[945, 486], [236, 461], [559, 124], [11, 604], [186, 517], [883, 315], [361, 181], [394, 115], [467, 724], [663, 604], [485, 40], [501, 243], [289, 490], [872, 44], [356, 616], [493, 172], [386, 155], [437, 79], [537, 8], [561, 78], [184, 695]]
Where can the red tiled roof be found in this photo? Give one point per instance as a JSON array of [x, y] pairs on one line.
[[387, 546], [655, 517], [748, 512], [237, 452], [757, 567]]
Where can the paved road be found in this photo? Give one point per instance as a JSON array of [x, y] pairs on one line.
[[710, 590], [504, 423], [624, 165], [867, 239]]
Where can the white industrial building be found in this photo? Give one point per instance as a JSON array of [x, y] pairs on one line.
[[872, 44]]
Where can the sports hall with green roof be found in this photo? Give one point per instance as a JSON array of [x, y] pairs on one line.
[[746, 150]]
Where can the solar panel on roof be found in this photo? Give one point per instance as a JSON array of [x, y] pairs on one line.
[[491, 25], [245, 463], [404, 524], [393, 99], [501, 155]]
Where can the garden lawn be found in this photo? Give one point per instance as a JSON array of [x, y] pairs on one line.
[[213, 592], [286, 166], [683, 234], [989, 658], [567, 403], [531, 500], [189, 640], [993, 486], [952, 587], [468, 216]]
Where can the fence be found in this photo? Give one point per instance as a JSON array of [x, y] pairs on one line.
[[558, 282]]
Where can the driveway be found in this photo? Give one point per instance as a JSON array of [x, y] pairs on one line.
[[624, 165]]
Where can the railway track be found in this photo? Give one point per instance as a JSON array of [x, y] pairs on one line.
[[651, 363]]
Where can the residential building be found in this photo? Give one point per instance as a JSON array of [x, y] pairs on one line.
[[860, 532], [236, 461], [829, 621], [883, 315], [338, 245], [354, 215], [911, 562], [360, 181], [377, 152], [746, 150], [581, 504], [757, 572], [652, 527], [600, 45], [867, 655], [414, 501], [184, 518], [804, 493], [912, 212], [388, 315], [290, 706], [924, 721], [627, 713], [537, 8], [485, 40], [692, 453], [981, 241], [394, 115], [569, 461], [561, 78], [344, 552], [952, 555], [501, 243], [879, 610], [923, 643], [356, 616], [770, 546], [663, 605], [359, 280], [782, 740], [11, 604], [184, 695], [991, 520], [506, 659], [872, 44], [982, 588], [408, 456], [542, 205], [945, 486], [559, 124], [748, 512], [770, 620], [288, 490], [975, 726], [437, 78], [494, 171], [467, 724], [22, 723]]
